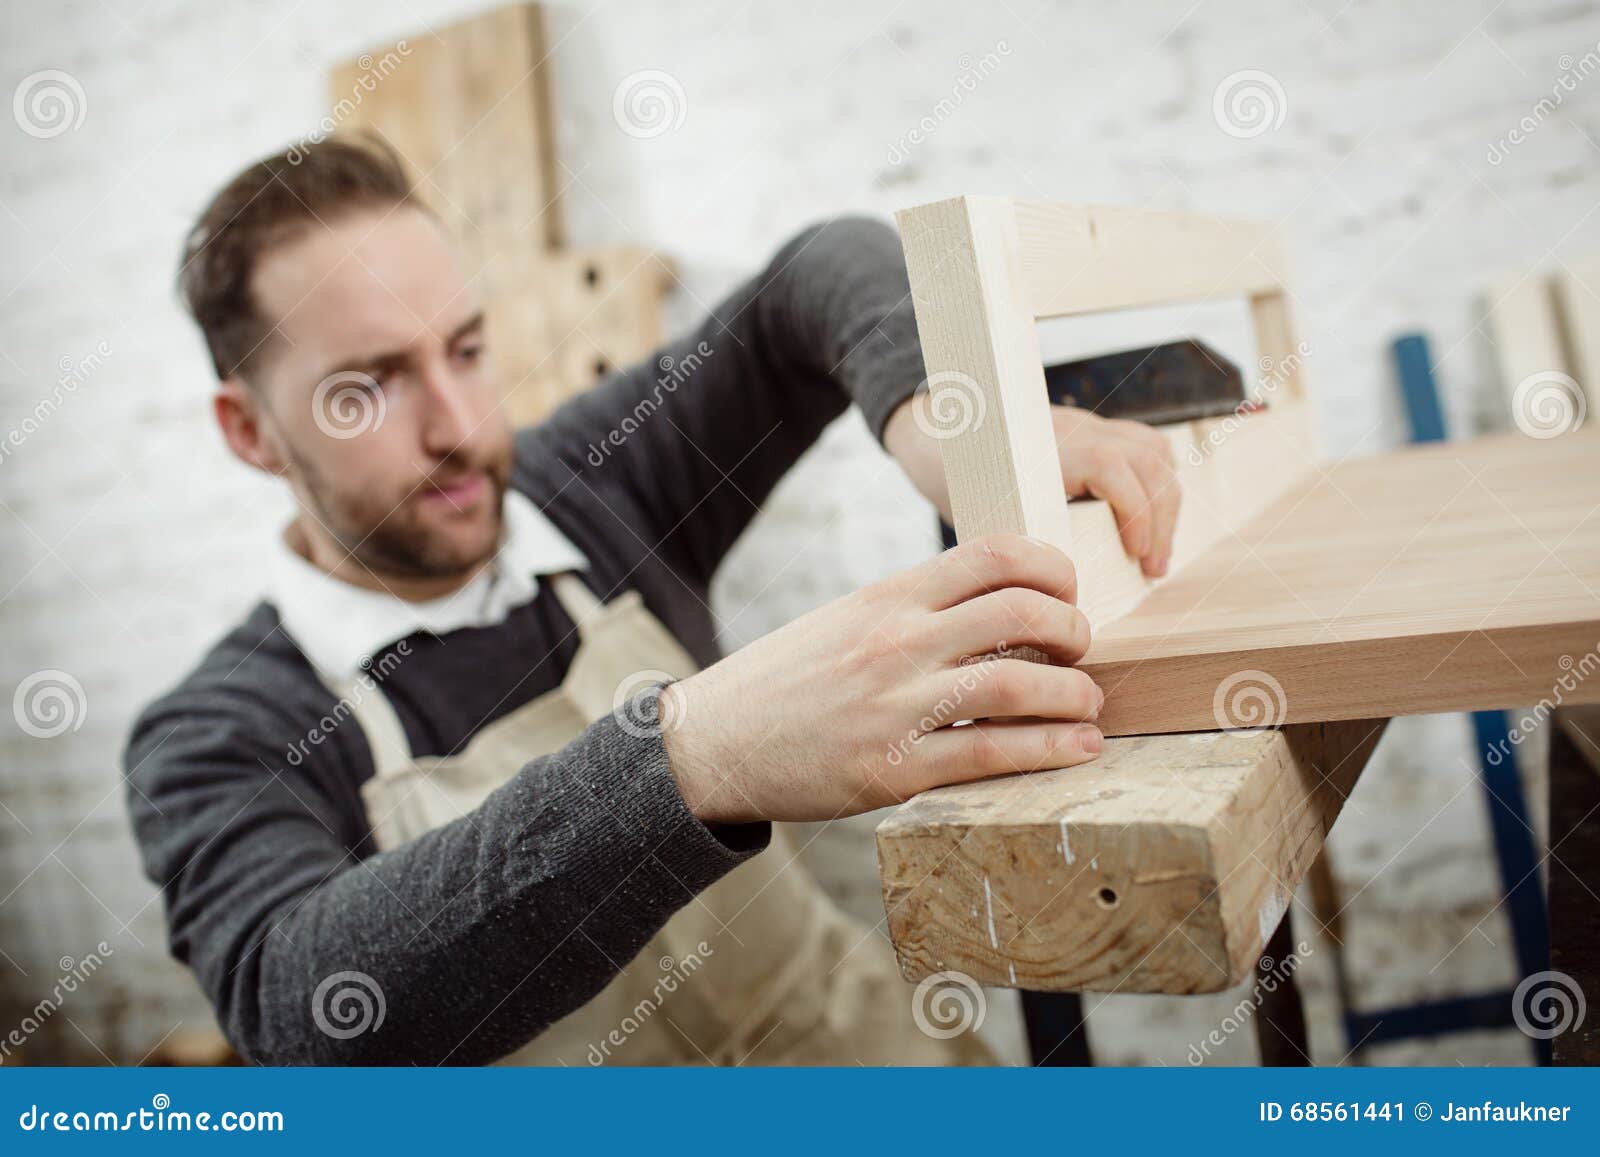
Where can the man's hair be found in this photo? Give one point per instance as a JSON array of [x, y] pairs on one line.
[[265, 205]]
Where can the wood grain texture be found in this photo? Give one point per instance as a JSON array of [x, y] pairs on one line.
[[576, 316], [1230, 470], [1164, 866], [468, 108], [1437, 578], [985, 379], [1083, 259]]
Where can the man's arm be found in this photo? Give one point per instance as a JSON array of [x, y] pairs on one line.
[[480, 934], [701, 433], [473, 937]]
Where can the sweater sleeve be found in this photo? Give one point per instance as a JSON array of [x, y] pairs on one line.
[[455, 948], [700, 434]]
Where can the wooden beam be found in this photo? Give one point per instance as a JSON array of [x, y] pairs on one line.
[[1083, 259], [1164, 866]]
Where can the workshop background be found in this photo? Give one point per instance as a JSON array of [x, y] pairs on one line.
[[131, 539]]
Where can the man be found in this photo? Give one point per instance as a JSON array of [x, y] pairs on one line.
[[431, 801]]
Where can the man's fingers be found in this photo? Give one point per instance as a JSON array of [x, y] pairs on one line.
[[1016, 617], [1010, 688], [1161, 488], [993, 563], [1113, 479], [1004, 747], [1146, 437]]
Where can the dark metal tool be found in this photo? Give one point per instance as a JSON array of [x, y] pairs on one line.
[[1179, 381]]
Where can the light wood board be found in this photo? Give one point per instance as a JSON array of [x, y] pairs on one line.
[[1439, 578]]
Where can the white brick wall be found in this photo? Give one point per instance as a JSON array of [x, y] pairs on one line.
[[131, 539]]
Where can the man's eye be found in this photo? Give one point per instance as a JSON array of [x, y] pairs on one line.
[[470, 353]]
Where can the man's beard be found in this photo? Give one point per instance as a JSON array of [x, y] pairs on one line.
[[390, 538]]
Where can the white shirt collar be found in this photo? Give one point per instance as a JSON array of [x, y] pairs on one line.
[[337, 625]]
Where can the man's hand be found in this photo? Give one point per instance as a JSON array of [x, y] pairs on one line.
[[1128, 464], [853, 706]]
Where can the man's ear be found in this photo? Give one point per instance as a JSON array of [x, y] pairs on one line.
[[246, 427]]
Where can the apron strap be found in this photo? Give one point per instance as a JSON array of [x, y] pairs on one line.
[[364, 698], [576, 599]]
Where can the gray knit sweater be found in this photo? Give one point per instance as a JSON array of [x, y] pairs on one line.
[[267, 868]]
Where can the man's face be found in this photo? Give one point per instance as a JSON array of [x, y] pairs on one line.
[[377, 384]]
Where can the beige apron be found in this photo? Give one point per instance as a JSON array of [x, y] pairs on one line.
[[762, 967]]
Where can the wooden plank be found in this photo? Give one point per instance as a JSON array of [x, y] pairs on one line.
[[985, 376], [1577, 290], [468, 108], [576, 316], [1526, 329], [1082, 259], [1436, 578], [1164, 866]]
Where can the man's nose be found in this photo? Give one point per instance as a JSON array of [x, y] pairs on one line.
[[450, 416]]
